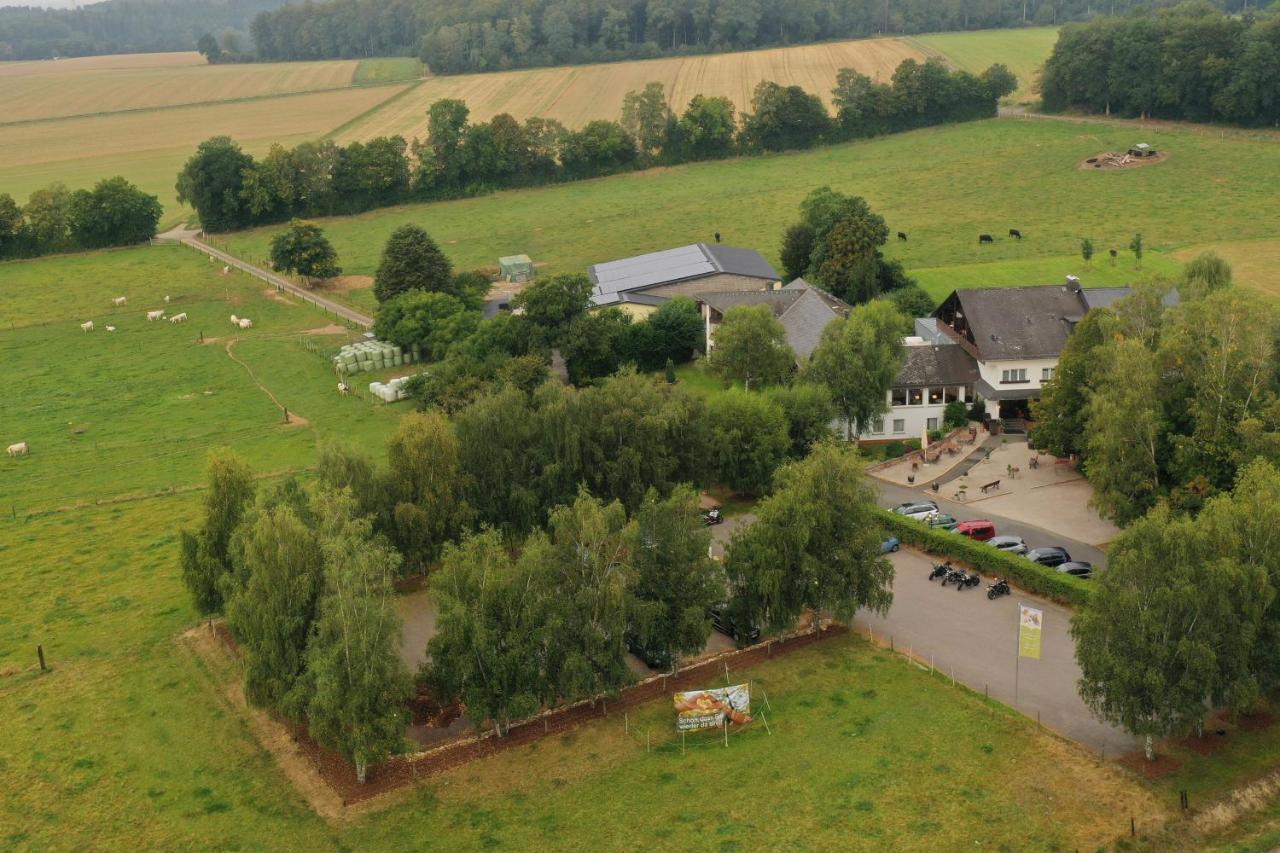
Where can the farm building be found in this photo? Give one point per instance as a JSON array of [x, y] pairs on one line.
[[516, 268], [638, 285], [802, 309]]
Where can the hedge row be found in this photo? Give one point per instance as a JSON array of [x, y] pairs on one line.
[[1020, 571]]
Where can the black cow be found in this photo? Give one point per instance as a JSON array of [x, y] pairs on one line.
[[986, 238], [1015, 233], [1114, 253], [717, 236], [902, 235]]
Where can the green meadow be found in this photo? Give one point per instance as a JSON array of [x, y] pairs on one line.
[[942, 187], [1023, 51]]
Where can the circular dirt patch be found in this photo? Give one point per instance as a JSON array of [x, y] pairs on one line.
[[1110, 161]]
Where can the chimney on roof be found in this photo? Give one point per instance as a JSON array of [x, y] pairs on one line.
[[1073, 282]]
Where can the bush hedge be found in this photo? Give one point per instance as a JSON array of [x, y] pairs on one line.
[[1020, 571]]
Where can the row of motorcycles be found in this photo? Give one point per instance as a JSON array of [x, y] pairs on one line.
[[963, 580]]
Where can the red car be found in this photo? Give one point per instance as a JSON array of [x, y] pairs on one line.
[[979, 531]]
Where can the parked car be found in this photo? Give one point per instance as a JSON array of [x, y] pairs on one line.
[[723, 622], [917, 510], [654, 658], [1077, 568], [1052, 556], [1012, 544], [889, 545], [978, 530], [942, 521]]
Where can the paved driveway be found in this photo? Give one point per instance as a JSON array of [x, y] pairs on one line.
[[965, 633]]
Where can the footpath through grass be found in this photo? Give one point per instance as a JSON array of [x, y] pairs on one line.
[[942, 186]]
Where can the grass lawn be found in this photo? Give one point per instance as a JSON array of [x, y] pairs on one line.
[[943, 186], [1024, 51], [390, 69], [135, 410]]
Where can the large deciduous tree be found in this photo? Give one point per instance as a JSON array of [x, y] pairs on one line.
[[751, 347], [206, 553], [303, 249], [815, 545], [212, 182], [425, 488], [749, 439], [647, 117], [857, 360], [113, 213]]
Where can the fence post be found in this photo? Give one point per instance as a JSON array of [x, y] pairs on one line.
[[40, 655], [626, 722]]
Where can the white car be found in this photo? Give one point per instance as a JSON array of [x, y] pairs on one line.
[[918, 511]]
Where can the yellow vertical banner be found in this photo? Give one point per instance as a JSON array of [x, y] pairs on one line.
[[1030, 622]]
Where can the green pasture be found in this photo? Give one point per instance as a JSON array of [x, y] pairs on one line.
[[942, 187], [390, 69], [134, 411], [1024, 51]]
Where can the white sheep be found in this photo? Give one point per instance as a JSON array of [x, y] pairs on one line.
[[179, 318], [166, 299], [111, 328], [245, 323], [235, 321], [88, 327], [226, 270], [119, 300], [154, 315], [19, 449]]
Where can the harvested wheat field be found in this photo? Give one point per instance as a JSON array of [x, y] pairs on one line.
[[578, 94], [93, 86]]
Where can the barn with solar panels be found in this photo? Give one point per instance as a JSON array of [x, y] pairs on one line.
[[640, 284]]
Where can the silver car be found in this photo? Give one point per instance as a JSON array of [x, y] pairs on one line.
[[918, 511], [1011, 544]]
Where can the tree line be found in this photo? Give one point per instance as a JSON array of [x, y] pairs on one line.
[[1190, 62], [230, 189], [538, 602], [55, 219], [452, 36], [121, 26], [1164, 403]]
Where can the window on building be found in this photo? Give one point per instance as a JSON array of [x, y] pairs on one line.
[[968, 392], [898, 396], [899, 426], [915, 396], [951, 394], [931, 424], [935, 396], [1047, 373], [1015, 375], [877, 426]]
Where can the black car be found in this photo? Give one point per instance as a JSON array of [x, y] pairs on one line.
[[723, 622], [1052, 556], [654, 658], [1077, 568]]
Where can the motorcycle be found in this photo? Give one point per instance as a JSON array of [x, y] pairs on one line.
[[969, 580], [940, 570], [997, 589], [956, 577]]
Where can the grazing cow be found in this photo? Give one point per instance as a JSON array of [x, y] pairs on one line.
[[111, 328], [235, 321], [179, 318], [119, 300], [88, 327], [344, 389], [986, 238], [226, 270], [245, 323], [19, 449], [1114, 253], [154, 315], [902, 235], [166, 299], [1015, 233]]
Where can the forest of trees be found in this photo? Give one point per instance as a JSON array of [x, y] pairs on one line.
[[1190, 62], [230, 189], [55, 219], [454, 36], [125, 26]]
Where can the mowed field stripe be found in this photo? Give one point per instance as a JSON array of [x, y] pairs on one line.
[[54, 90]]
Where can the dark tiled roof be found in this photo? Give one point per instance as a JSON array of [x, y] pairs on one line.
[[735, 261], [936, 365], [1105, 297], [778, 300], [805, 321], [1020, 322]]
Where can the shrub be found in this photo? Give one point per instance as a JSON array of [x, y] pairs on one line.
[[981, 557], [955, 415], [893, 450]]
